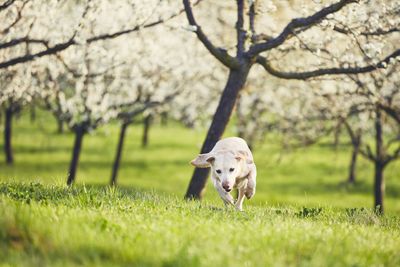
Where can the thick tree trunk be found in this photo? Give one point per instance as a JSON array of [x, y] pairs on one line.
[[146, 129], [79, 133], [379, 184], [117, 160], [353, 162], [235, 83], [7, 136]]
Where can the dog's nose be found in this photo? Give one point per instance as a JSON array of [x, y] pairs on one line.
[[226, 187]]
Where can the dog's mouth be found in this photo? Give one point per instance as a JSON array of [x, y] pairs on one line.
[[228, 190]]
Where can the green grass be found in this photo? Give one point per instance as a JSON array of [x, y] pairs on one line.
[[57, 226], [302, 214]]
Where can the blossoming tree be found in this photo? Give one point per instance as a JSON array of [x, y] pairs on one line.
[[253, 47]]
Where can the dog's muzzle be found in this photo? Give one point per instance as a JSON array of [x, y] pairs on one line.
[[227, 188]]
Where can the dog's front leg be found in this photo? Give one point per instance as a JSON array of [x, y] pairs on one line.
[[251, 184], [225, 196], [239, 201]]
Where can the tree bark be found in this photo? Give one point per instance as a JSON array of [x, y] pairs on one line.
[[79, 133], [354, 156], [379, 184], [117, 160], [7, 136], [336, 138], [379, 188], [236, 81], [60, 126], [146, 128]]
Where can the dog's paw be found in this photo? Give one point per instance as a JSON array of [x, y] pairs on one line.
[[250, 192], [239, 209]]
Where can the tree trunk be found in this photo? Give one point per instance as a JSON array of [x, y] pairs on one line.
[[164, 118], [57, 115], [60, 126], [353, 164], [354, 155], [336, 136], [379, 184], [146, 128], [79, 133], [7, 136], [235, 83], [117, 160], [33, 113]]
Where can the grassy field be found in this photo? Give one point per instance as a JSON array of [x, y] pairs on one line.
[[303, 213]]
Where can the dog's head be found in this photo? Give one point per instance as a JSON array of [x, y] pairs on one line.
[[226, 165]]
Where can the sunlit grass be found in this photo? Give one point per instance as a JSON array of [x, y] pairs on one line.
[[57, 226]]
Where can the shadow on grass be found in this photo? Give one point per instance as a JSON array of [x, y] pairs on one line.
[[47, 253], [61, 165], [67, 148], [169, 145], [41, 149]]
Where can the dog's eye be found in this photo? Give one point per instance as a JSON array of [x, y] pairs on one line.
[[231, 169], [219, 171]]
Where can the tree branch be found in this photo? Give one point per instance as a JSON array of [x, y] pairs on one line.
[[219, 53], [22, 40], [252, 18], [128, 115], [370, 33], [299, 23], [136, 28], [391, 111], [29, 57], [240, 32], [6, 4], [350, 131], [394, 156], [367, 153], [17, 19], [62, 46], [328, 71]]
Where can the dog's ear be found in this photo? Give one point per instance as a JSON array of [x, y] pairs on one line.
[[244, 155], [203, 160]]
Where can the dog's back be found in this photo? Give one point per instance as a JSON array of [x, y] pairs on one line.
[[232, 144]]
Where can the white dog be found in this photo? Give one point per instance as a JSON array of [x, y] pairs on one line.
[[232, 166]]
